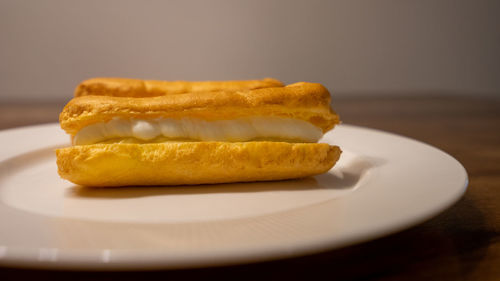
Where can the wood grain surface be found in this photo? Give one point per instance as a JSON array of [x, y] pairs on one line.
[[462, 243]]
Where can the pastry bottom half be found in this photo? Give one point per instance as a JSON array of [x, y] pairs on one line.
[[187, 163]]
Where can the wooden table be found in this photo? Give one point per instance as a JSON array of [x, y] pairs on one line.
[[463, 243]]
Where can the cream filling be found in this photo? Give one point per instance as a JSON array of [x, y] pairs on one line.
[[236, 130]]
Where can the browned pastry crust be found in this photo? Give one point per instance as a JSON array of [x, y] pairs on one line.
[[306, 101], [123, 87], [180, 163]]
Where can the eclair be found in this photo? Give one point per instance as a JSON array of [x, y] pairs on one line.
[[198, 137], [124, 87]]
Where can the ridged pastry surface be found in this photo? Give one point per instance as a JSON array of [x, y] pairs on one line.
[[186, 163], [306, 101], [124, 87]]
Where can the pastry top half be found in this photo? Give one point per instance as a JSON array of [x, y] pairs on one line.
[[298, 112], [124, 87]]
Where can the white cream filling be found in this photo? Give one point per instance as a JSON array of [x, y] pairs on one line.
[[241, 129]]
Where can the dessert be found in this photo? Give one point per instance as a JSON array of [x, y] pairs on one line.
[[198, 137]]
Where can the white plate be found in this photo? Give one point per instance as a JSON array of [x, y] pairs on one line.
[[382, 184]]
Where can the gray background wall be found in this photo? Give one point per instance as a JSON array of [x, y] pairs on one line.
[[351, 46]]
